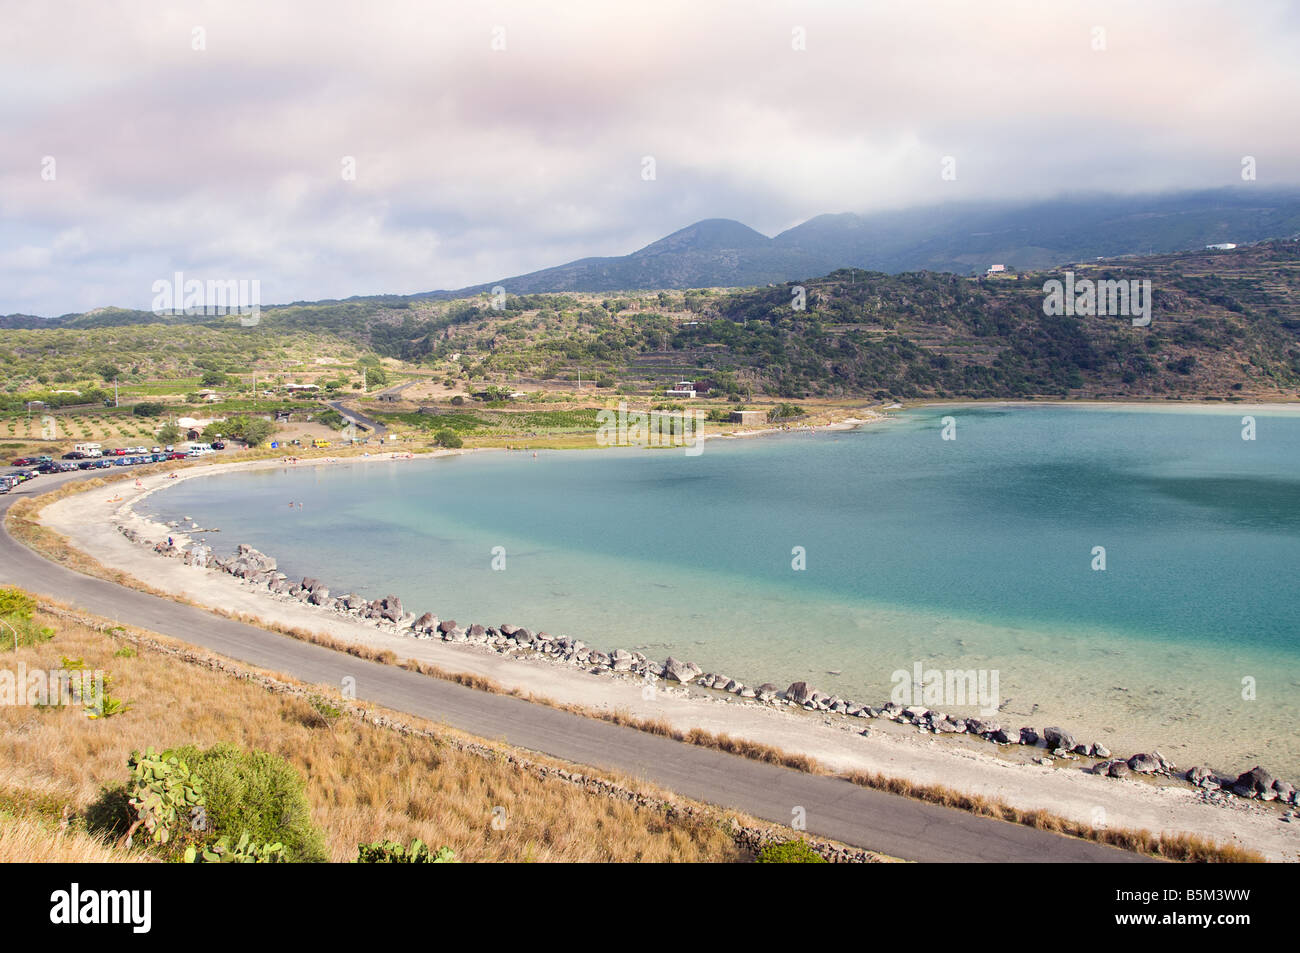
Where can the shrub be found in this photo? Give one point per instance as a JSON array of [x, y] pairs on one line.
[[149, 409], [783, 411], [18, 629], [391, 852], [326, 713], [16, 604], [258, 794], [790, 852], [448, 438]]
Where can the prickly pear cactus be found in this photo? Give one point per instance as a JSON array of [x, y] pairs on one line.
[[391, 852], [243, 852], [162, 792]]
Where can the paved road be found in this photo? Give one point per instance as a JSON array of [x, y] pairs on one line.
[[837, 809], [360, 419]]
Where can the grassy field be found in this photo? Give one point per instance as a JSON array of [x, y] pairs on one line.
[[364, 782]]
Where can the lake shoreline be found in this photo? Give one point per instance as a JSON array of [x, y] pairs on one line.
[[892, 747]]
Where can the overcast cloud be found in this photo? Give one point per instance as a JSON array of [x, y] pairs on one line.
[[473, 163]]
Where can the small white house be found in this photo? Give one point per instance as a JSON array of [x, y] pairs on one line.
[[683, 389], [1225, 246], [996, 269]]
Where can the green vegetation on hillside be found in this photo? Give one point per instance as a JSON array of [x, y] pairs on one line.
[[1223, 324]]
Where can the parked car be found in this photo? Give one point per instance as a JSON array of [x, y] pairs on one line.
[[24, 462], [176, 456], [87, 465], [219, 445], [156, 450], [50, 467], [74, 455]]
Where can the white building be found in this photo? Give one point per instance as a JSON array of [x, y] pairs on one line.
[[683, 389], [1225, 246], [996, 269]]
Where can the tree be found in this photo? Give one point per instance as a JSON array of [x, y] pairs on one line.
[[251, 430], [214, 379], [258, 430], [448, 438], [169, 433], [109, 371], [376, 377], [149, 409]]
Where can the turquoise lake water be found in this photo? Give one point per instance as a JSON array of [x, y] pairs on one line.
[[970, 553]]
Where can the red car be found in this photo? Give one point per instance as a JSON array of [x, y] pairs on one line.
[[176, 456], [25, 462]]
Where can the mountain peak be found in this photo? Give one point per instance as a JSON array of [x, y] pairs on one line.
[[710, 234]]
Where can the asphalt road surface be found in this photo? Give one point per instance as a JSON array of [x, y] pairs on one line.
[[374, 426], [834, 808]]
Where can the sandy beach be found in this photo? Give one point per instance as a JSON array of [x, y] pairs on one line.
[[91, 521]]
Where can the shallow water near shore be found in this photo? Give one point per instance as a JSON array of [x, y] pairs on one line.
[[973, 553]]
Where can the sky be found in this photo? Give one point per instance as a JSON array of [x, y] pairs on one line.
[[329, 149]]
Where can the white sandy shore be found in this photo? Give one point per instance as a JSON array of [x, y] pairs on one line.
[[90, 521]]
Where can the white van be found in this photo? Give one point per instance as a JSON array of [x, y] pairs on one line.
[[89, 449], [200, 449]]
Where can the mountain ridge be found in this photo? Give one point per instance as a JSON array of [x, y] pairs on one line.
[[960, 238]]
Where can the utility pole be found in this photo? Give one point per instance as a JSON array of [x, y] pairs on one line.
[[115, 403]]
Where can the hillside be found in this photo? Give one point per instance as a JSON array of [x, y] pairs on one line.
[[1224, 324]]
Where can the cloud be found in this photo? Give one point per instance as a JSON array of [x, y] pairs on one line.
[[474, 163]]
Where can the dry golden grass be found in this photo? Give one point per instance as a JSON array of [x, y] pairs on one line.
[[364, 782], [1180, 847], [26, 839]]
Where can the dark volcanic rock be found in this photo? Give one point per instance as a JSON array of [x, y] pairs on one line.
[[1058, 738], [799, 693], [680, 671], [1144, 763], [1255, 783]]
